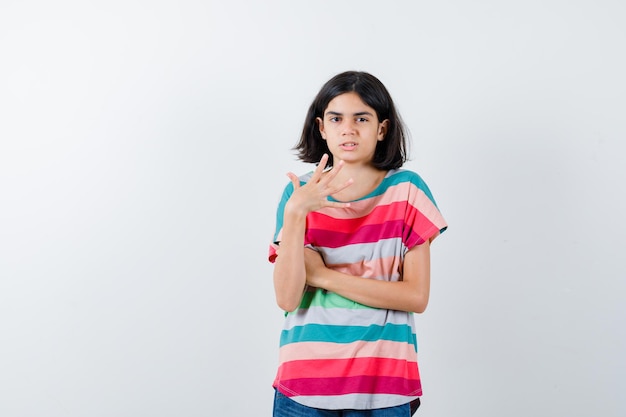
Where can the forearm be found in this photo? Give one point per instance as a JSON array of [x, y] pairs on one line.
[[400, 295], [409, 294], [289, 268]]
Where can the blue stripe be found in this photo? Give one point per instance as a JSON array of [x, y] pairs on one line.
[[348, 334], [395, 177]]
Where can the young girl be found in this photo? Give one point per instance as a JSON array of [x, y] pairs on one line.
[[352, 260]]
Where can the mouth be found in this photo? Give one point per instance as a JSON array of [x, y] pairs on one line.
[[348, 145]]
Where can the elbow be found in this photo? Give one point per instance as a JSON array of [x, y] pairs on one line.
[[420, 305], [288, 293], [287, 305], [287, 302], [419, 309]]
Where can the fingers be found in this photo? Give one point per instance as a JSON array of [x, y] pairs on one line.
[[333, 172], [295, 181], [314, 194], [342, 187], [330, 176], [336, 204], [319, 170]]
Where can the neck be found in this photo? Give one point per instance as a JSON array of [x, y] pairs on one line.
[[355, 171], [365, 180]]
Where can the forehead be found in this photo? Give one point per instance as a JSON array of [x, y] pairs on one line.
[[349, 102]]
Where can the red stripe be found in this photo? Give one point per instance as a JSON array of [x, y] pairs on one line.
[[383, 223], [380, 214], [354, 385], [367, 366], [366, 234], [422, 228]]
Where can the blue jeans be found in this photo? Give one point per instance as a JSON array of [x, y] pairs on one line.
[[286, 407]]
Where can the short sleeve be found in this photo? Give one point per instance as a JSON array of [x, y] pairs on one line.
[[273, 247], [423, 221]]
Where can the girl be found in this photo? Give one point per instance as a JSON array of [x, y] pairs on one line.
[[351, 260]]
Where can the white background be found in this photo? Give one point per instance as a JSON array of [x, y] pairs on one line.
[[143, 147]]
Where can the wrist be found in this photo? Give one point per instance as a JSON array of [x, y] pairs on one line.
[[294, 213], [318, 276]]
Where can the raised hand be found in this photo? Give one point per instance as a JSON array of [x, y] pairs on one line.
[[314, 194]]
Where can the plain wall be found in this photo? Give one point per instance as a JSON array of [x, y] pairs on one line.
[[143, 150]]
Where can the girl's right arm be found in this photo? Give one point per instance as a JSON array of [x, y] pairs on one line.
[[289, 271], [289, 268]]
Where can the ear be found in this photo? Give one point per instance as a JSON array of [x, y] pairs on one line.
[[382, 129], [320, 126]]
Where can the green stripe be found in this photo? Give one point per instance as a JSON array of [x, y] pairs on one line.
[[348, 334], [322, 298]]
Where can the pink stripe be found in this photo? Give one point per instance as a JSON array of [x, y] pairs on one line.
[[428, 210], [360, 349], [381, 267], [392, 195]]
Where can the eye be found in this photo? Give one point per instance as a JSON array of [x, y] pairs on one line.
[[334, 119], [361, 119]]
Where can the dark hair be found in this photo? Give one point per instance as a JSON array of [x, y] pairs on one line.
[[390, 153]]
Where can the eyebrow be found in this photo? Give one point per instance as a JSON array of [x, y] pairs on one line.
[[361, 113]]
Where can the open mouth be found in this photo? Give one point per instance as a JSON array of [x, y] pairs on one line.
[[348, 145]]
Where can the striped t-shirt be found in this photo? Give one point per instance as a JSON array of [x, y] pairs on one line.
[[336, 353]]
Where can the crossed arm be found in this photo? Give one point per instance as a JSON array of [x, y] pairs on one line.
[[410, 294], [307, 267]]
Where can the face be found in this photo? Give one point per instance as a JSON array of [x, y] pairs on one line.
[[351, 129]]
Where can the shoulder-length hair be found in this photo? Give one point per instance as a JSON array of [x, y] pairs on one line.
[[390, 153]]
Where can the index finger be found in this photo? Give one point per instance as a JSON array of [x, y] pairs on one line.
[[334, 171], [321, 166]]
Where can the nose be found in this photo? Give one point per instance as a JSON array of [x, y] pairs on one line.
[[349, 127]]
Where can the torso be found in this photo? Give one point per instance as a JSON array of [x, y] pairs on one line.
[[334, 352]]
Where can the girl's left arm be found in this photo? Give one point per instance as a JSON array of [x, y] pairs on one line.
[[410, 294]]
